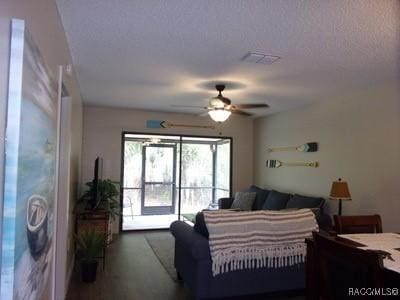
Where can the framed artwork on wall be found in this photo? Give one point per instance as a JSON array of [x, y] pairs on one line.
[[30, 172]]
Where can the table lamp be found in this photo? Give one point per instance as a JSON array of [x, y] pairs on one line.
[[340, 191]]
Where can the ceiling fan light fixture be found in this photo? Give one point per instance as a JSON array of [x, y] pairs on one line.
[[216, 102], [219, 114]]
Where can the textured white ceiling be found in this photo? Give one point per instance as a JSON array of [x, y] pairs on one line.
[[153, 54]]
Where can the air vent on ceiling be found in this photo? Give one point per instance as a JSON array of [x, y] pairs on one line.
[[259, 58]]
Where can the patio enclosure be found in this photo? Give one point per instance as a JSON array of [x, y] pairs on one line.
[[166, 176]]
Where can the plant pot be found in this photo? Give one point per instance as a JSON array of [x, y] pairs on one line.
[[89, 270]]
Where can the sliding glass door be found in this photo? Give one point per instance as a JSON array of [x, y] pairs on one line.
[[158, 195], [205, 172], [222, 169], [165, 176]]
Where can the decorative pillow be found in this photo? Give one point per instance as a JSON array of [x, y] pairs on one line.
[[261, 195], [298, 201], [276, 200], [324, 221], [244, 200]]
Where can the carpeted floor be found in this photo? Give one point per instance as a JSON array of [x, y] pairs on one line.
[[162, 244]]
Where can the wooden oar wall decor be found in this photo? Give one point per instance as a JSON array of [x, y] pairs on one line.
[[307, 147], [274, 163], [166, 124]]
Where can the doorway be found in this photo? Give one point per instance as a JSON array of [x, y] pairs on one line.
[[165, 176], [158, 180]]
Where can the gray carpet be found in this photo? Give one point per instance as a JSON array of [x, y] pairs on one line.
[[163, 247]]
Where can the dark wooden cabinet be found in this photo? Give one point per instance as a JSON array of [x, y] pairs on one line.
[[391, 279], [312, 278]]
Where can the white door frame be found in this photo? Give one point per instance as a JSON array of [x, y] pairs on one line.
[[60, 268]]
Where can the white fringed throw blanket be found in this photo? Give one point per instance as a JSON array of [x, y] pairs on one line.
[[256, 239]]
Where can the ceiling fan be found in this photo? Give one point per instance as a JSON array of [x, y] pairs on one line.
[[220, 107]]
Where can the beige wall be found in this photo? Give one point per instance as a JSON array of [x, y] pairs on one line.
[[43, 22], [102, 137], [359, 140]]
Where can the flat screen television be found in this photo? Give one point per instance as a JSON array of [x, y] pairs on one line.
[[97, 176]]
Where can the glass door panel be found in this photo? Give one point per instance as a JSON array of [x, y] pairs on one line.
[[197, 175], [159, 170], [132, 180], [158, 195], [222, 169]]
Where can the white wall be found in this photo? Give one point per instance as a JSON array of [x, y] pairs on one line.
[[43, 22], [359, 140], [102, 137]]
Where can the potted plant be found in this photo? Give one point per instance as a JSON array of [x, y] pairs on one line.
[[89, 245], [101, 215], [109, 196]]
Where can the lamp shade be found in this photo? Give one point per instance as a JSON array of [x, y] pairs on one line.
[[219, 114], [340, 191]]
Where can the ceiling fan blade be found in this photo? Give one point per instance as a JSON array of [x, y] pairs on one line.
[[250, 106], [189, 106], [204, 114], [240, 112]]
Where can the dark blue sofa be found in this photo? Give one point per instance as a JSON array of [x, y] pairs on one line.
[[193, 260]]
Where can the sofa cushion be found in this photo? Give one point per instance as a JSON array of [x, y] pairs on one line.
[[244, 200], [315, 210], [324, 221], [261, 196], [200, 225], [299, 201], [276, 200]]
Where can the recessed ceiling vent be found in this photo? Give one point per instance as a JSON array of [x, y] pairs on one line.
[[259, 58]]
